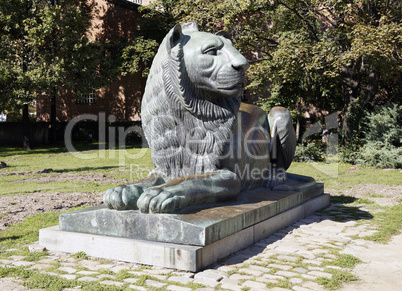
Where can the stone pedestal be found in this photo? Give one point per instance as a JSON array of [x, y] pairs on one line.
[[189, 241]]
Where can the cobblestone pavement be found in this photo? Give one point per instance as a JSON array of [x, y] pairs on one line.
[[300, 257]]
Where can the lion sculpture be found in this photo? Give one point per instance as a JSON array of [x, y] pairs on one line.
[[206, 146]]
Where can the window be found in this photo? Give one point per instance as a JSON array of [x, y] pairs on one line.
[[88, 99], [136, 1]]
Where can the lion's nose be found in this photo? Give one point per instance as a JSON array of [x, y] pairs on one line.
[[240, 63]]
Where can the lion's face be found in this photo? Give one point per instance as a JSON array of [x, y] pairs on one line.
[[213, 65]]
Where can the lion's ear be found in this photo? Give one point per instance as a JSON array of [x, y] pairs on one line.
[[224, 34], [174, 37]]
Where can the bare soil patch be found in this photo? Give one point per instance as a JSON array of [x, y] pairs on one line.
[[15, 208], [48, 175], [382, 195]]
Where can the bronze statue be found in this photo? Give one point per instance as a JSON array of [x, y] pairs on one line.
[[205, 144]]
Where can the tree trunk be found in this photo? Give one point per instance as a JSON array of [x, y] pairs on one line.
[[26, 139], [357, 94], [352, 76], [53, 117], [299, 106], [347, 113], [297, 128]]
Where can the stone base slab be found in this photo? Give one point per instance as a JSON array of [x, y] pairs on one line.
[[169, 255], [199, 227]]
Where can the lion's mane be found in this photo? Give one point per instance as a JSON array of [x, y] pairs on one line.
[[186, 130]]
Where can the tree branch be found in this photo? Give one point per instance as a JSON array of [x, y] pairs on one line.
[[294, 10]]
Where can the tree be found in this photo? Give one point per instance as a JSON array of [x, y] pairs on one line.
[[16, 64], [337, 55], [44, 48], [137, 54]]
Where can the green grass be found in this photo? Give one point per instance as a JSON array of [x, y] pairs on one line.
[[80, 255], [23, 171], [78, 162], [338, 176], [344, 261], [27, 231], [338, 278], [388, 223], [36, 280]]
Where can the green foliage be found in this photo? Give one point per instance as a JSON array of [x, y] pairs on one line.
[[138, 56], [383, 137], [350, 153], [45, 50], [383, 126], [44, 44], [374, 156], [312, 151]]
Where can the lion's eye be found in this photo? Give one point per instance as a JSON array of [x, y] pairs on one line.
[[211, 51]]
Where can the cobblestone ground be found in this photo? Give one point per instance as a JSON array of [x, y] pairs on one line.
[[304, 256]]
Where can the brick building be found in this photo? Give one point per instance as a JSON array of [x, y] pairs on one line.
[[113, 19]]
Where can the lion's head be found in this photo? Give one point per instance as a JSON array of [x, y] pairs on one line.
[[191, 100], [213, 65]]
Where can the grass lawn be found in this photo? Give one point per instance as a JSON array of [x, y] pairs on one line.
[[25, 172], [341, 175]]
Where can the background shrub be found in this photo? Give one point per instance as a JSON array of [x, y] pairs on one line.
[[382, 130], [312, 151]]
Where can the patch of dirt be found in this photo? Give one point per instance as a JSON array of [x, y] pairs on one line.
[[15, 208], [48, 175], [381, 194]]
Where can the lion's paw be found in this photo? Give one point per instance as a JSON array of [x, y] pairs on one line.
[[275, 183], [159, 201], [122, 197]]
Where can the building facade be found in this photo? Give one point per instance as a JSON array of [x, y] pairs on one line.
[[111, 20]]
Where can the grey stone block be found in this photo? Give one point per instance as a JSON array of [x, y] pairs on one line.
[[199, 227], [68, 277], [68, 270]]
